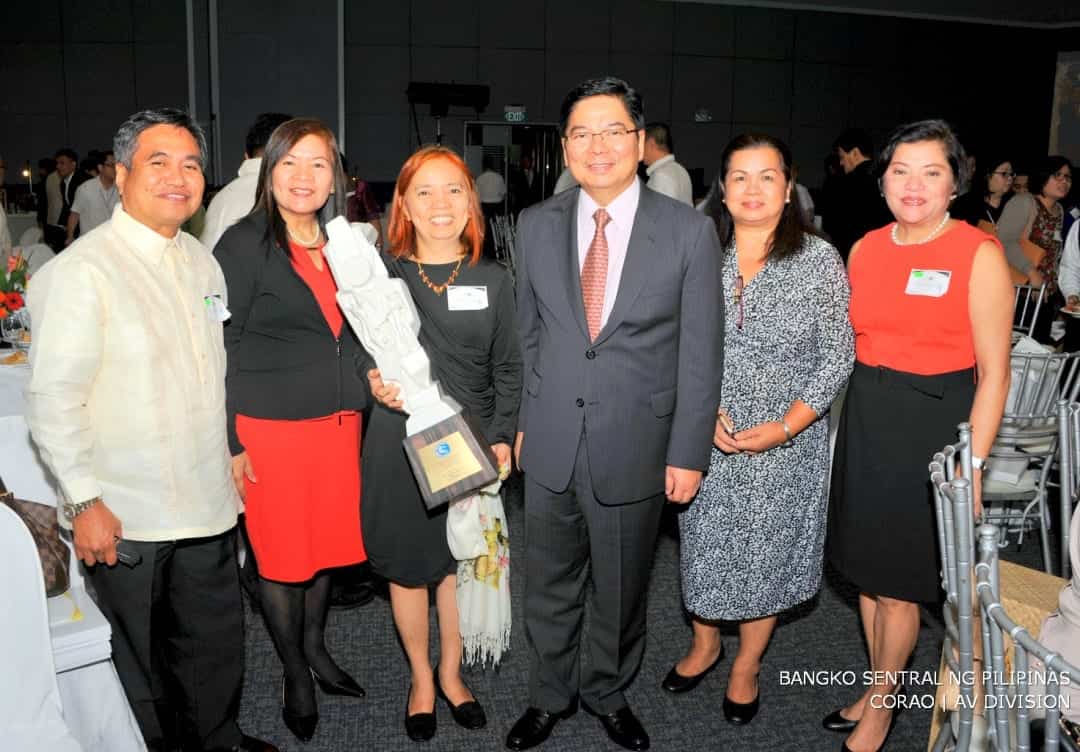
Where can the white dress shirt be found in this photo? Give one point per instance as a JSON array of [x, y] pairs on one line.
[[127, 388], [232, 203], [617, 231], [490, 187], [94, 203], [670, 178], [1069, 267]]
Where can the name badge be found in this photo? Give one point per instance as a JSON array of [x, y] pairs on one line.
[[467, 297], [216, 308], [932, 283]]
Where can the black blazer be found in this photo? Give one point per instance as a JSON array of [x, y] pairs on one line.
[[283, 359]]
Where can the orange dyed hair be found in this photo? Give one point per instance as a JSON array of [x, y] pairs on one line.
[[402, 235]]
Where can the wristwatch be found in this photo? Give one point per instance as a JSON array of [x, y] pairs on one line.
[[71, 511], [978, 462]]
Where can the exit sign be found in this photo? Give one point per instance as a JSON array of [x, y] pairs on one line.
[[514, 114]]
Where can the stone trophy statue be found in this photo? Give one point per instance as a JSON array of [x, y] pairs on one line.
[[449, 458]]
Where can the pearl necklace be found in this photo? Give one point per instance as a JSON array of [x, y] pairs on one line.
[[306, 243], [927, 239]]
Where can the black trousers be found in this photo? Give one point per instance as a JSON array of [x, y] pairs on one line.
[[178, 639], [568, 537]]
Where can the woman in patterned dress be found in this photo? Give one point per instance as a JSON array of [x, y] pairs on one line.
[[752, 541]]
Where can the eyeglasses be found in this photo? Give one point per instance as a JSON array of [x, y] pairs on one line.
[[614, 137], [738, 300], [1004, 173], [1064, 176]]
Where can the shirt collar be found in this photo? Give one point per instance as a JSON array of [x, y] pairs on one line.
[[250, 166], [659, 163], [621, 210], [141, 238]]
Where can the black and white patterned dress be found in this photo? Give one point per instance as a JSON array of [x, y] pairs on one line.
[[753, 538]]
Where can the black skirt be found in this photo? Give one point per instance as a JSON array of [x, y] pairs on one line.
[[882, 535]]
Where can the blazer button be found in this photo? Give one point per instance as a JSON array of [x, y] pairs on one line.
[[580, 402], [590, 354]]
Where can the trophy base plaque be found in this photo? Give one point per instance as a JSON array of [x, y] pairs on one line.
[[450, 460]]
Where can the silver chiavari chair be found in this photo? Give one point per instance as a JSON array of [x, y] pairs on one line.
[[955, 530], [504, 235], [1069, 471], [1009, 715], [1028, 300]]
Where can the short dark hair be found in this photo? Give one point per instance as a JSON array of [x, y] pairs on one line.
[[855, 137], [283, 138], [791, 229], [660, 133], [67, 152], [1044, 169], [605, 86], [259, 132], [127, 135], [928, 130]]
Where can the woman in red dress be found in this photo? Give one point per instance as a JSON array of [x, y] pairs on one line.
[[295, 394]]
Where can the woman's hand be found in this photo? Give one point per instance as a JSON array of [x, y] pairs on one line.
[[502, 456], [760, 438], [1035, 277], [242, 468], [723, 440], [385, 394]]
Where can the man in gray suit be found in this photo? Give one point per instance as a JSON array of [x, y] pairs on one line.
[[621, 322]]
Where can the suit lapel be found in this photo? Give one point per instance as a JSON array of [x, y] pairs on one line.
[[639, 254], [564, 231]]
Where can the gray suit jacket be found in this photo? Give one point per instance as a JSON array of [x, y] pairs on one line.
[[647, 390]]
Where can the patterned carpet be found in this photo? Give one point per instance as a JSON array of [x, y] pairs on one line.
[[821, 636]]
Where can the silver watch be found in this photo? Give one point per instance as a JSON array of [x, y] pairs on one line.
[[71, 511], [978, 462]]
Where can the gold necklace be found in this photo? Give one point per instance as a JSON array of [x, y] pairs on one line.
[[438, 289]]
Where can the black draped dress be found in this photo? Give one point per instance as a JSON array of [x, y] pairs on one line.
[[476, 358]]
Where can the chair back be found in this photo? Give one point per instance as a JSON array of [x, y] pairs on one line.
[[1009, 714], [1028, 300], [955, 529], [1069, 472], [31, 713]]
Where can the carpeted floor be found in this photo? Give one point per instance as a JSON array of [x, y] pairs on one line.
[[821, 636]]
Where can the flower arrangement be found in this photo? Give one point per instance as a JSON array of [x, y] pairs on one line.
[[13, 285]]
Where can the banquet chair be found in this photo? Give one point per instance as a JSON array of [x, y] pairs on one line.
[[955, 530], [1009, 715], [30, 236], [1027, 441], [1026, 304], [1069, 471], [36, 255], [31, 714]]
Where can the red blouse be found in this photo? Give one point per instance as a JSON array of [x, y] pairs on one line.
[[321, 283]]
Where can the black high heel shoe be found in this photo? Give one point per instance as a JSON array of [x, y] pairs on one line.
[[676, 683], [420, 727], [302, 726], [741, 713], [888, 732], [469, 714], [347, 687], [836, 722]]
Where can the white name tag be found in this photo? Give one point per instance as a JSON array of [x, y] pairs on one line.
[[216, 308], [932, 283], [466, 297]]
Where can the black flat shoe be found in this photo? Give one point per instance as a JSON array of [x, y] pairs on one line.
[[534, 727], [741, 713], [347, 687], [625, 729], [677, 683], [469, 714], [302, 726], [420, 727], [836, 722]]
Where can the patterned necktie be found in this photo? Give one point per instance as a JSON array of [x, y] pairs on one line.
[[594, 274]]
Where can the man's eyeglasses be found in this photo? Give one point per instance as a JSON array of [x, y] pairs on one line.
[[738, 300], [614, 136], [1004, 173], [1064, 176]]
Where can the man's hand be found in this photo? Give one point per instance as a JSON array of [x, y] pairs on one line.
[[760, 438], [517, 449], [242, 468], [95, 532], [502, 456], [681, 485], [385, 394]]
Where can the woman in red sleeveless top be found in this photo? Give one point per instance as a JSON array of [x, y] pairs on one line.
[[931, 305]]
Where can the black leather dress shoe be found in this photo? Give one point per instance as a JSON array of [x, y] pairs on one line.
[[836, 722], [677, 683], [534, 727], [741, 713], [347, 687], [625, 729], [469, 714], [420, 727]]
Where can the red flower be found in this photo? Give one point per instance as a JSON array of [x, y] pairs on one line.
[[13, 262], [3, 312], [14, 301]]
